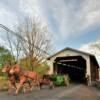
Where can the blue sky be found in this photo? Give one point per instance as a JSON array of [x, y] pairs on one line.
[[72, 23]]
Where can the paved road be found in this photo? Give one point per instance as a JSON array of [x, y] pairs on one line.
[[75, 92]]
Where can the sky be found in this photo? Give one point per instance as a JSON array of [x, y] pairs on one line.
[[72, 23]]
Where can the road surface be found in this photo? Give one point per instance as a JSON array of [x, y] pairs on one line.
[[74, 92]]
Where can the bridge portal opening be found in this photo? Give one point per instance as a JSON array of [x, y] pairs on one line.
[[74, 66]]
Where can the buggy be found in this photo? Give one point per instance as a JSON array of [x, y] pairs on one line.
[[55, 80]]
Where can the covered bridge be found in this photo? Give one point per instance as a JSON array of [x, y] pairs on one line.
[[76, 63]]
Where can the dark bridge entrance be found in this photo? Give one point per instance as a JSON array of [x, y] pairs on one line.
[[74, 66]]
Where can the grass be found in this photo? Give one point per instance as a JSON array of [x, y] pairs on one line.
[[97, 85], [3, 85]]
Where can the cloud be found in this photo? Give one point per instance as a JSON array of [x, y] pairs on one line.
[[72, 20], [93, 48], [7, 18], [64, 18]]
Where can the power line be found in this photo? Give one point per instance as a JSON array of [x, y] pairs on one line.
[[8, 30], [23, 39]]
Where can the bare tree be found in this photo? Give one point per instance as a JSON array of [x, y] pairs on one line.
[[13, 42], [10, 44], [7, 38], [35, 40], [30, 39]]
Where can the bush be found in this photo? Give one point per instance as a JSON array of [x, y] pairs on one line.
[[97, 85], [3, 85], [2, 78], [40, 68], [57, 79]]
